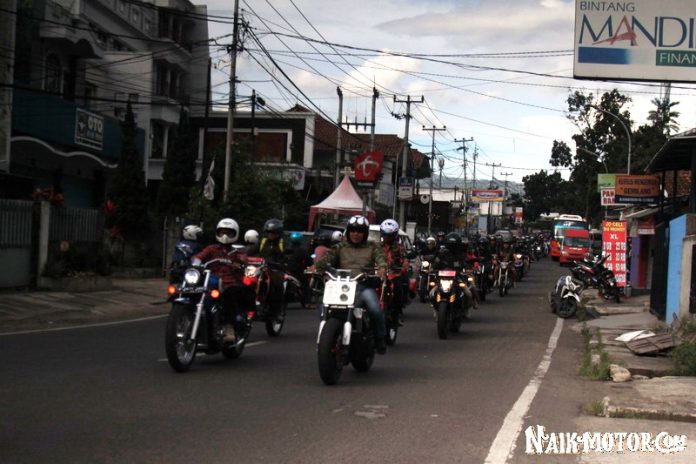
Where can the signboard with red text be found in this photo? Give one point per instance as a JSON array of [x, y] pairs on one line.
[[614, 236]]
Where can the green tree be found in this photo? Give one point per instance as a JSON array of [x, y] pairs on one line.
[[664, 117], [127, 192], [179, 171], [537, 199]]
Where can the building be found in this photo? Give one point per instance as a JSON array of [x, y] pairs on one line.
[[77, 63]]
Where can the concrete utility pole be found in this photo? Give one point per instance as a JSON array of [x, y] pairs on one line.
[[231, 104], [338, 138], [404, 157], [493, 165], [475, 160], [465, 195], [506, 174], [432, 168], [8, 22]]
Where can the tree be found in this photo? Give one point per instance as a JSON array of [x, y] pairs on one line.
[[537, 197], [663, 117], [179, 173], [127, 192]]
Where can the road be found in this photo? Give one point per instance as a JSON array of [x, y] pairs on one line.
[[106, 394]]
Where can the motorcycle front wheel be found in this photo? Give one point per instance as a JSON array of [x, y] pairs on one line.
[[330, 352], [567, 308], [443, 319], [181, 351], [275, 322]]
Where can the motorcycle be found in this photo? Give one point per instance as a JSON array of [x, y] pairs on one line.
[[424, 282], [519, 265], [450, 304], [481, 273], [391, 313], [273, 320], [345, 332], [503, 280], [195, 320], [565, 297], [594, 274]]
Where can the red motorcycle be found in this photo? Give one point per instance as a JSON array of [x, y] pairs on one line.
[[260, 271], [388, 303]]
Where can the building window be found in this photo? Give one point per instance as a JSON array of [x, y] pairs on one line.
[[53, 77], [162, 82], [157, 140], [135, 16], [90, 94]]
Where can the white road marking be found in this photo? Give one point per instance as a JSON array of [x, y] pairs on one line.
[[503, 446], [248, 345], [85, 326]]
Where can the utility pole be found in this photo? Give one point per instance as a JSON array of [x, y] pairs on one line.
[[404, 157], [432, 167], [465, 195], [338, 138], [506, 174], [441, 164], [231, 104], [475, 160], [493, 166]]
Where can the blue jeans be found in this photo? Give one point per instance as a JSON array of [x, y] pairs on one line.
[[368, 297]]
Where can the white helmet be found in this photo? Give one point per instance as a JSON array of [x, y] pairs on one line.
[[231, 234], [389, 227], [336, 236], [191, 232], [251, 237]]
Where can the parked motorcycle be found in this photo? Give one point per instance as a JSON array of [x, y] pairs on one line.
[[450, 303], [565, 297], [195, 320], [345, 332], [594, 274]]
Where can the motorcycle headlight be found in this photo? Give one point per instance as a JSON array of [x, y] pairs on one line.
[[518, 256], [470, 279], [446, 285], [191, 277], [425, 264], [250, 270]]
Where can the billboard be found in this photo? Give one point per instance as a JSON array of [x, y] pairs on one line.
[[635, 40], [478, 195], [635, 190], [367, 167], [614, 236]]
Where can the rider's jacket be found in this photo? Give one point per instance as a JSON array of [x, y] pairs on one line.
[[395, 254], [361, 257], [448, 259], [230, 274], [272, 251]]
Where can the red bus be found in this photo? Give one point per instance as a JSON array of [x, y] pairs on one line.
[[560, 225]]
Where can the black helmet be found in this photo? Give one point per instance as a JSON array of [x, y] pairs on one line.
[[273, 225], [483, 241], [440, 236], [323, 238], [453, 238]]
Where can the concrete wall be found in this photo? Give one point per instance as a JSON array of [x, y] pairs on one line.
[[677, 231]]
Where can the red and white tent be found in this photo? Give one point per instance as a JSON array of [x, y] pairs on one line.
[[343, 201]]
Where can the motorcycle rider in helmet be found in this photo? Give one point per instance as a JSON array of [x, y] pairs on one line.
[[453, 256], [359, 255], [251, 240], [506, 253], [272, 250], [236, 297], [184, 249], [440, 239], [397, 262]]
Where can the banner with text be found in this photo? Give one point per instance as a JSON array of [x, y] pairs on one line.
[[486, 195], [614, 235], [633, 190]]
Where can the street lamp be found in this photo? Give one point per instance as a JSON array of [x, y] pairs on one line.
[[597, 155], [628, 132]]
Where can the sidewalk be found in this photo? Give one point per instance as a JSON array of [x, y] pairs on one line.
[[651, 393], [130, 298]]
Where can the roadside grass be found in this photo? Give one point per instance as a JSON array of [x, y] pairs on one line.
[[594, 408], [684, 358], [594, 367]]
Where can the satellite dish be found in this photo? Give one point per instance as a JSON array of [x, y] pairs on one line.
[[425, 199]]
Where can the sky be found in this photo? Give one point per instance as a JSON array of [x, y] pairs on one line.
[[497, 71]]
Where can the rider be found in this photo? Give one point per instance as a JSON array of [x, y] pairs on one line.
[[440, 239], [452, 256], [184, 249], [235, 296], [251, 240], [397, 262], [272, 250], [506, 254], [429, 253], [359, 255]]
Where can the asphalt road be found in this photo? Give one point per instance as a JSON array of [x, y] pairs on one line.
[[107, 394]]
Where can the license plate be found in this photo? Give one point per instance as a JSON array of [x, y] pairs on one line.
[[447, 273]]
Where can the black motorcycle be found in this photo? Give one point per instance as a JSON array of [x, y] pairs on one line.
[[450, 303], [426, 280], [195, 320], [594, 274]]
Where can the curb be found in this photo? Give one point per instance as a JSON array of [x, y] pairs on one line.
[[631, 412]]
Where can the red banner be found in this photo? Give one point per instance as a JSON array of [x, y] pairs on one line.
[[614, 244], [368, 166]]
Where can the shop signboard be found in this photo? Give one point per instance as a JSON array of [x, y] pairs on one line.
[[636, 190], [614, 244], [405, 188], [478, 195]]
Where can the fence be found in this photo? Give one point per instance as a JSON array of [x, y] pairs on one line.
[[16, 220]]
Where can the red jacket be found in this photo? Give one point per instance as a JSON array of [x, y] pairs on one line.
[[230, 274], [395, 255]]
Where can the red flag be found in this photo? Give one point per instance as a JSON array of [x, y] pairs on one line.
[[368, 166]]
